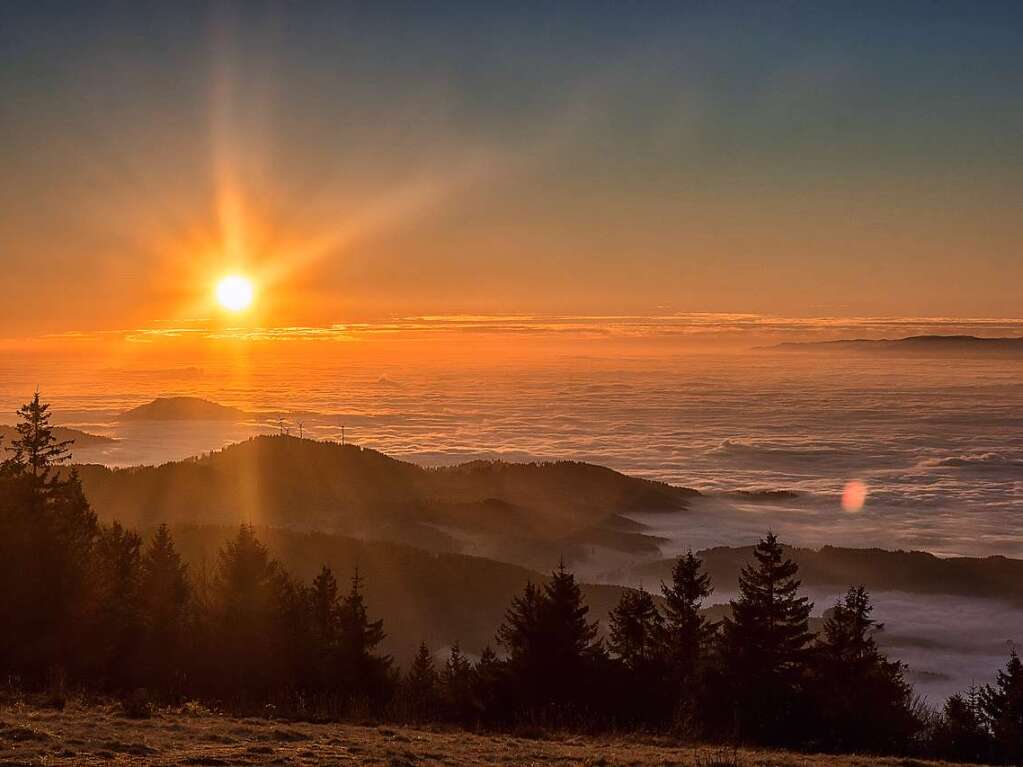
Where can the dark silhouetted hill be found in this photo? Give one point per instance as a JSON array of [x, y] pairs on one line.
[[528, 513], [930, 345], [61, 434], [182, 409]]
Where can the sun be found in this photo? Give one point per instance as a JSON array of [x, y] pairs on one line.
[[234, 292]]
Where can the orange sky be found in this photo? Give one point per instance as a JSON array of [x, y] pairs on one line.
[[795, 165]]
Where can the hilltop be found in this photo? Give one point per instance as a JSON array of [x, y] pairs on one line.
[[182, 409], [527, 513]]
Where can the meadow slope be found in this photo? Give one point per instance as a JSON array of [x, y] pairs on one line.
[[101, 735]]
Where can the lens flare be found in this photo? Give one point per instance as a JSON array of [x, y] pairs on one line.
[[234, 293], [854, 495]]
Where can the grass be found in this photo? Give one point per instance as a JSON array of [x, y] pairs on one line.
[[101, 734]]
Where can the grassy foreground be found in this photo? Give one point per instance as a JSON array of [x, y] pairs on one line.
[[102, 735]]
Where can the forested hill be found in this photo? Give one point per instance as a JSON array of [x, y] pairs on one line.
[[422, 596], [528, 513], [876, 569]]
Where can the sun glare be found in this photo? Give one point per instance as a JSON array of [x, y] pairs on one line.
[[234, 293]]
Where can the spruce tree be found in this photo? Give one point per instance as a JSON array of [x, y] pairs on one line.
[[325, 609], [862, 699], [249, 596], [421, 684], [765, 646], [687, 632], [636, 627], [549, 641], [363, 671], [165, 600], [961, 734], [457, 686], [47, 531], [116, 626], [686, 642], [35, 448], [1002, 708]]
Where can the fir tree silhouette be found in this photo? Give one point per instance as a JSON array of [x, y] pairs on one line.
[[863, 701], [1002, 707], [765, 646]]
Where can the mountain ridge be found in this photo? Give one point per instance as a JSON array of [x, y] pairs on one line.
[[921, 344], [520, 512]]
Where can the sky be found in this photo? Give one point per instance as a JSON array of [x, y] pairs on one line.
[[365, 162]]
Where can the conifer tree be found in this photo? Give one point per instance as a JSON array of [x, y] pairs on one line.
[[326, 608], [47, 532], [636, 628], [248, 594], [863, 701], [961, 734], [489, 685], [116, 621], [687, 632], [421, 684], [363, 671], [165, 596], [1002, 708], [35, 448], [457, 685], [549, 641], [572, 639], [765, 646]]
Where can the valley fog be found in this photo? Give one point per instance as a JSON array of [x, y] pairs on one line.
[[938, 442]]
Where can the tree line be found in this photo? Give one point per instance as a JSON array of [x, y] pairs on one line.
[[94, 607]]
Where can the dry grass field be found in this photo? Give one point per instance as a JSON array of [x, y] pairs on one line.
[[102, 735]]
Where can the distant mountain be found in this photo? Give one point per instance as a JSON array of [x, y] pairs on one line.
[[917, 345], [61, 433], [527, 513], [877, 569], [182, 409]]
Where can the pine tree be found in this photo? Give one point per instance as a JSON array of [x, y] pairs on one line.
[[165, 595], [47, 532], [35, 449], [687, 632], [862, 699], [117, 627], [325, 608], [457, 686], [549, 641], [421, 684], [521, 632], [960, 734], [1002, 708], [563, 614], [489, 686], [363, 672], [765, 646], [248, 602], [636, 629]]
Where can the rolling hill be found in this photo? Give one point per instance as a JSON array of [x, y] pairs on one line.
[[526, 513]]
